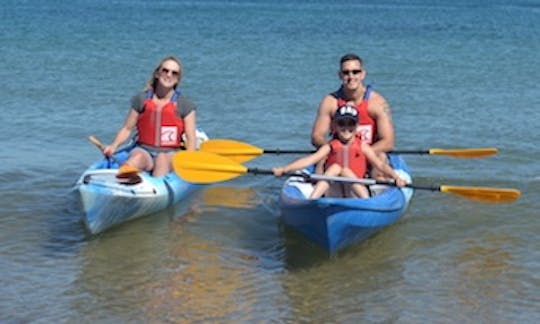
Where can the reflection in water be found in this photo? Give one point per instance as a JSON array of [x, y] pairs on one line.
[[480, 262], [237, 264], [232, 197], [197, 283], [65, 229], [208, 264], [342, 287], [483, 268], [117, 264], [301, 253]]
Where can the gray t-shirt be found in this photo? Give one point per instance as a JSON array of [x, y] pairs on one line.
[[185, 106]]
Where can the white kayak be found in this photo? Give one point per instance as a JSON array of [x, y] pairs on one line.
[[108, 201]]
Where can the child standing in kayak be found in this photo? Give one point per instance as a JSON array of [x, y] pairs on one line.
[[346, 155]]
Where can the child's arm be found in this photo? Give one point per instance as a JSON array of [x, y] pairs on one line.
[[306, 161], [372, 157]]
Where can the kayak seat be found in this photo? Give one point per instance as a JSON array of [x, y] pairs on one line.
[[304, 187]]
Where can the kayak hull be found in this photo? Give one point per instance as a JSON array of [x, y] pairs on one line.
[[335, 223], [107, 201]]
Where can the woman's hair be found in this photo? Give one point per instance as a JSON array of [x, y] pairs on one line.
[[151, 83]]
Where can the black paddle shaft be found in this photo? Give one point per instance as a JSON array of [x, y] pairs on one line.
[[278, 151], [256, 171]]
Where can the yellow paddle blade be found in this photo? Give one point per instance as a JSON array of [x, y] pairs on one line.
[[465, 153], [205, 167], [234, 150], [484, 194]]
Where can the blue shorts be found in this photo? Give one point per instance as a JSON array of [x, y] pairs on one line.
[[154, 151]]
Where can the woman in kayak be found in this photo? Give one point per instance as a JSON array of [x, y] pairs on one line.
[[346, 155], [161, 115]]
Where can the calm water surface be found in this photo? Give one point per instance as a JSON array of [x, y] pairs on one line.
[[457, 74]]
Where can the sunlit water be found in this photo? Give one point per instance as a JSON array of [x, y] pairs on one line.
[[456, 74]]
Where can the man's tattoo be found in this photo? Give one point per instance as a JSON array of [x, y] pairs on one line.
[[386, 109]]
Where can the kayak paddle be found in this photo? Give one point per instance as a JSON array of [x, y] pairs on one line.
[[207, 167], [101, 147], [242, 152], [128, 178]]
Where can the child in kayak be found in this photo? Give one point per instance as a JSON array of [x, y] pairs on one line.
[[346, 155]]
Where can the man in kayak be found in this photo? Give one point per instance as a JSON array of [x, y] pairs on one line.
[[346, 155], [161, 116], [375, 123]]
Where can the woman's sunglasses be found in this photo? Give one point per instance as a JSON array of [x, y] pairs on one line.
[[167, 71]]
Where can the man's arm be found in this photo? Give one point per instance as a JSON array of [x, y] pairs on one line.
[[380, 111], [321, 125]]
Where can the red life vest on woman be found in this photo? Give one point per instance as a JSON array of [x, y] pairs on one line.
[[367, 128], [348, 156], [160, 127]]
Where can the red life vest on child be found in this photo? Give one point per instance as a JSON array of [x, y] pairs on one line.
[[367, 128], [160, 127], [348, 156]]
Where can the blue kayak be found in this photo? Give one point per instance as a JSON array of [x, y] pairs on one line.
[[108, 201], [335, 223]]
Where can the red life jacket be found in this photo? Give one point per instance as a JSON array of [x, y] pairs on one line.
[[348, 156], [367, 128], [160, 127]]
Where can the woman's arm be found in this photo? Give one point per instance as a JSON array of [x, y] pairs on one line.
[[124, 133], [190, 126]]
